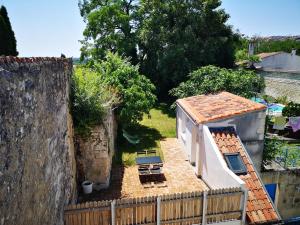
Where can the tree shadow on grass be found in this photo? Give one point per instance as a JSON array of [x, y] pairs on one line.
[[166, 109], [126, 152]]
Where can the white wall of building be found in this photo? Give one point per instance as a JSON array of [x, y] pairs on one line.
[[215, 171], [250, 128], [285, 62], [187, 134]]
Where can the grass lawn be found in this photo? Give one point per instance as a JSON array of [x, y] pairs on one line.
[[161, 123]]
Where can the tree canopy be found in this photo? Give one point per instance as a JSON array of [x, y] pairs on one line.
[[8, 43], [168, 39], [212, 79]]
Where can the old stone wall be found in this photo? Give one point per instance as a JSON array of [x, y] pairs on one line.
[[278, 87], [94, 153], [37, 165], [287, 198]]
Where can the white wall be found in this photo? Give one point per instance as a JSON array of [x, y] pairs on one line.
[[187, 134], [250, 128], [214, 169], [285, 62]]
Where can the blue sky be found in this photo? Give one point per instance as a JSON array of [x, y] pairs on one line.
[[52, 27]]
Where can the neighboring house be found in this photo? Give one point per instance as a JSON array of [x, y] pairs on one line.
[[215, 131], [279, 61]]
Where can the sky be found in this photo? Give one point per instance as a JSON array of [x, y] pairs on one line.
[[52, 27]]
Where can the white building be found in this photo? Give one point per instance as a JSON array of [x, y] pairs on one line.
[[222, 136], [279, 61]]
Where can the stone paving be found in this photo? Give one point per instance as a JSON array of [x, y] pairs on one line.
[[179, 176]]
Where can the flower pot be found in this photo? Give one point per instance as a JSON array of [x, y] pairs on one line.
[[87, 187]]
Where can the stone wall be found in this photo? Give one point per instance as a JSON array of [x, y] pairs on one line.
[[37, 165], [287, 198], [94, 153], [278, 87]]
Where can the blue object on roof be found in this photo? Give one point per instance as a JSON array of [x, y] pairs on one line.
[[148, 160], [275, 107], [259, 100]]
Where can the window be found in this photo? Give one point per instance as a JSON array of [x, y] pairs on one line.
[[235, 163]]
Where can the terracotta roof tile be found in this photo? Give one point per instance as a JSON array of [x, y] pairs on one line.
[[259, 208], [205, 108]]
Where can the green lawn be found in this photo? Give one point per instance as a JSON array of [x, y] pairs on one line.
[[159, 124]]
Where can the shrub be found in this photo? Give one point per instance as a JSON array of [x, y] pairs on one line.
[[135, 91], [89, 99], [212, 79], [291, 109]]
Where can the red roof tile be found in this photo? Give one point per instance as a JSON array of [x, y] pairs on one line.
[[259, 208], [204, 108]]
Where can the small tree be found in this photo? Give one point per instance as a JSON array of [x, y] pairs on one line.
[[135, 90], [89, 99], [8, 43], [212, 79]]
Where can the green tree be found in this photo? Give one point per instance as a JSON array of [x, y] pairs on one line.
[[8, 44], [212, 79], [89, 97], [111, 26], [135, 90], [168, 39], [176, 37]]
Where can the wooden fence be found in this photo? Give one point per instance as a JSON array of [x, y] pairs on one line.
[[177, 209]]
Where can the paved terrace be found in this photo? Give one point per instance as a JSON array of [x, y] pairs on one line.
[[178, 177]]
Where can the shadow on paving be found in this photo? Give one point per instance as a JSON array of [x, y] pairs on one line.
[[110, 193]]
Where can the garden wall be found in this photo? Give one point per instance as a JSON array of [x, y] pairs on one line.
[[37, 163], [287, 198], [278, 87], [94, 153]]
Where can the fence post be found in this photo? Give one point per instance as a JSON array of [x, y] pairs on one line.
[[244, 205], [158, 210], [113, 212], [204, 208]]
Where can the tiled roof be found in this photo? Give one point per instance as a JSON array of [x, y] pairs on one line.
[[205, 108], [259, 208], [10, 59], [267, 54]]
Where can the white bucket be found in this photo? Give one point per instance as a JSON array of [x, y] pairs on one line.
[[87, 187]]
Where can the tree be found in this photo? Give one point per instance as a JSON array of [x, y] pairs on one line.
[[179, 36], [212, 79], [135, 90], [168, 39], [110, 26], [90, 98], [8, 44]]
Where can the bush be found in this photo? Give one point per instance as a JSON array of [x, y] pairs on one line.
[[89, 99], [292, 109], [212, 79], [135, 91], [271, 147]]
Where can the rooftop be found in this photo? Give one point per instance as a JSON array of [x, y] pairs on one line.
[[205, 108], [179, 176], [267, 54], [259, 208]]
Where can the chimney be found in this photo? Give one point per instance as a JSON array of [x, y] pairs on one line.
[[251, 48]]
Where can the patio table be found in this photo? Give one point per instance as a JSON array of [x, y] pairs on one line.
[[148, 160]]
